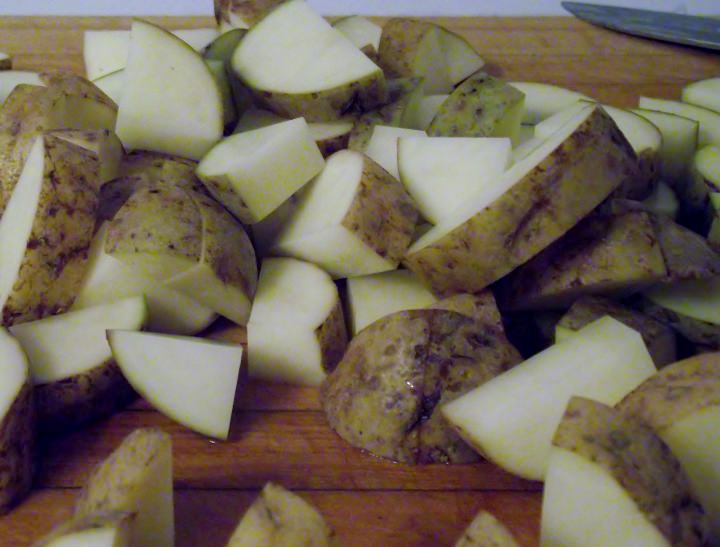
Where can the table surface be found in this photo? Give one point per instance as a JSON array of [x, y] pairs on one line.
[[278, 432]]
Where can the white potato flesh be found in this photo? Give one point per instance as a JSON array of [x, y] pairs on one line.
[[584, 505], [63, 345], [109, 279], [695, 298], [663, 200], [14, 372], [294, 50], [314, 231], [263, 167], [679, 141], [709, 120], [17, 219], [705, 93], [9, 79], [491, 192], [554, 122], [461, 59], [329, 130], [441, 173], [112, 84], [370, 297], [93, 537], [640, 132], [512, 418], [383, 146], [695, 442], [360, 31], [255, 118], [171, 102], [544, 100], [425, 111], [190, 380], [293, 299], [106, 51], [707, 163]]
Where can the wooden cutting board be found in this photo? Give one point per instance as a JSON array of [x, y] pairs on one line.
[[279, 432]]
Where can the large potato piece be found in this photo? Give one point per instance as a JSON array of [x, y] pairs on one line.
[[279, 518], [612, 255], [103, 144], [534, 203], [384, 394], [46, 229]]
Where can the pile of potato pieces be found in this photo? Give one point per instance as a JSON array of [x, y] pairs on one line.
[[450, 263]]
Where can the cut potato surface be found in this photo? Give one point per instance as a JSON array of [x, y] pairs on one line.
[[252, 173], [190, 380], [383, 146], [9, 79], [299, 65], [486, 531], [698, 299], [709, 120], [103, 529], [511, 418], [705, 93], [544, 100], [171, 102]]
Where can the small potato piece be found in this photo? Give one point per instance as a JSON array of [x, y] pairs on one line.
[[102, 527], [486, 531], [279, 518], [103, 144], [396, 372], [687, 254], [480, 306], [242, 14]]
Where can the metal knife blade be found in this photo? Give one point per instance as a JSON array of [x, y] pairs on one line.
[[670, 27]]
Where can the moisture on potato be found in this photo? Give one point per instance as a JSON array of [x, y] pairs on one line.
[[384, 395]]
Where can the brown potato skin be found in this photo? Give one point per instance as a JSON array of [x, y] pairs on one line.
[[676, 392], [251, 11], [697, 331], [659, 338], [480, 306], [687, 254], [333, 337], [639, 461], [73, 402], [400, 39], [72, 84], [536, 211], [610, 255], [17, 449], [383, 395]]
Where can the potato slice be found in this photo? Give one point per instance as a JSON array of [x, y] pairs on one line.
[[255, 171], [709, 120], [544, 100], [45, 231], [426, 110], [481, 106], [137, 477], [17, 424], [104, 529], [242, 14], [658, 337], [703, 93], [171, 102], [279, 518], [353, 219], [297, 64], [486, 531], [612, 481], [103, 144], [511, 418], [385, 393], [611, 255], [296, 331], [531, 205], [682, 404], [362, 32], [383, 146], [410, 47], [687, 254]]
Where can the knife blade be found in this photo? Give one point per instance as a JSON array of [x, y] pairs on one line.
[[669, 27]]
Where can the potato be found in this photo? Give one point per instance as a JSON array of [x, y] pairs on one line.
[[486, 531], [612, 255], [105, 147], [481, 106], [136, 477], [630, 456], [157, 166], [279, 518], [658, 337], [534, 203], [46, 230], [18, 458], [105, 528], [72, 84], [480, 307], [242, 14], [396, 372]]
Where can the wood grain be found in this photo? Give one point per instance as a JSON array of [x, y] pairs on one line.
[[279, 432]]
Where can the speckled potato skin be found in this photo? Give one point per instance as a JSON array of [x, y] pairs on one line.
[[70, 403], [659, 338], [687, 254], [399, 43], [17, 449], [54, 263], [326, 105], [480, 306], [640, 462], [697, 331], [676, 392], [612, 255], [382, 215], [250, 11], [157, 166], [383, 394], [333, 338], [475, 108], [536, 211], [72, 84], [486, 531], [643, 182], [401, 92]]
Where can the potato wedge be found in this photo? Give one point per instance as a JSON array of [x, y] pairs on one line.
[[103, 529], [105, 147], [486, 531], [242, 14], [398, 371]]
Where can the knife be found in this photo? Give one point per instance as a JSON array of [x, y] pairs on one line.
[[670, 27]]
